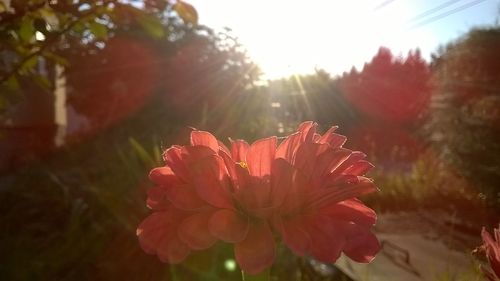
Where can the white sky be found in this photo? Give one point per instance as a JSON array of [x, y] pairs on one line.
[[290, 36]]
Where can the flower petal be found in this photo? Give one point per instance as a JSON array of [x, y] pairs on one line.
[[212, 182], [157, 198], [306, 157], [173, 159], [203, 138], [239, 150], [163, 176], [351, 210], [362, 245], [173, 250], [257, 251], [184, 197], [294, 236], [289, 146], [194, 231], [359, 168], [228, 226], [260, 156], [335, 194], [281, 181], [327, 239], [334, 140]]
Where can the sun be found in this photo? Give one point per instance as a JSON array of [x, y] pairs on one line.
[[297, 37]]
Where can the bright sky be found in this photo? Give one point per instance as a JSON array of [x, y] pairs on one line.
[[291, 36]]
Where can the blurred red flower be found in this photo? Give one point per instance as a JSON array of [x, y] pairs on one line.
[[320, 215], [491, 246], [303, 190]]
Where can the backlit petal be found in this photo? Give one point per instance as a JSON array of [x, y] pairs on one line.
[[362, 245], [203, 138], [239, 149], [194, 231], [257, 251], [228, 226], [260, 156]]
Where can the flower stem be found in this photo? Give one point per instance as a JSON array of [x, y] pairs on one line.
[[263, 276]]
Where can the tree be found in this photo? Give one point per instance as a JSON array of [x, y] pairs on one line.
[[466, 108]]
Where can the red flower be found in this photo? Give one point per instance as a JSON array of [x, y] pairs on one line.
[[320, 215], [304, 190], [491, 245], [179, 222]]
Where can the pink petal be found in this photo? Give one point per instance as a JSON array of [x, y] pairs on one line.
[[194, 231], [359, 168], [306, 156], [335, 194], [351, 210], [353, 158], [212, 182], [152, 230], [191, 154], [174, 160], [158, 235], [203, 138], [334, 140], [223, 147], [289, 146], [157, 198], [327, 239], [163, 176], [228, 226], [257, 251], [173, 250], [296, 194], [229, 164], [362, 245], [281, 181], [308, 129], [184, 197], [239, 150], [326, 162], [260, 156], [294, 236]]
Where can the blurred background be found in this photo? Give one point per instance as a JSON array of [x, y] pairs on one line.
[[91, 92]]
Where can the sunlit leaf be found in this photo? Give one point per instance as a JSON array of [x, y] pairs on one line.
[[187, 12], [99, 30], [26, 30], [152, 25], [56, 58], [49, 16], [29, 64], [142, 153]]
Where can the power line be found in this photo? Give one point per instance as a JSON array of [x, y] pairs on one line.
[[433, 10], [445, 14], [383, 4]]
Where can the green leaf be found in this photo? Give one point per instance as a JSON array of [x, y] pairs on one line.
[[26, 30], [187, 12], [99, 30], [49, 16], [152, 25], [142, 153], [56, 58], [29, 64], [12, 83]]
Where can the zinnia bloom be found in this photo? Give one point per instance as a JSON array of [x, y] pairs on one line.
[[303, 190], [179, 222], [320, 215], [491, 246]]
